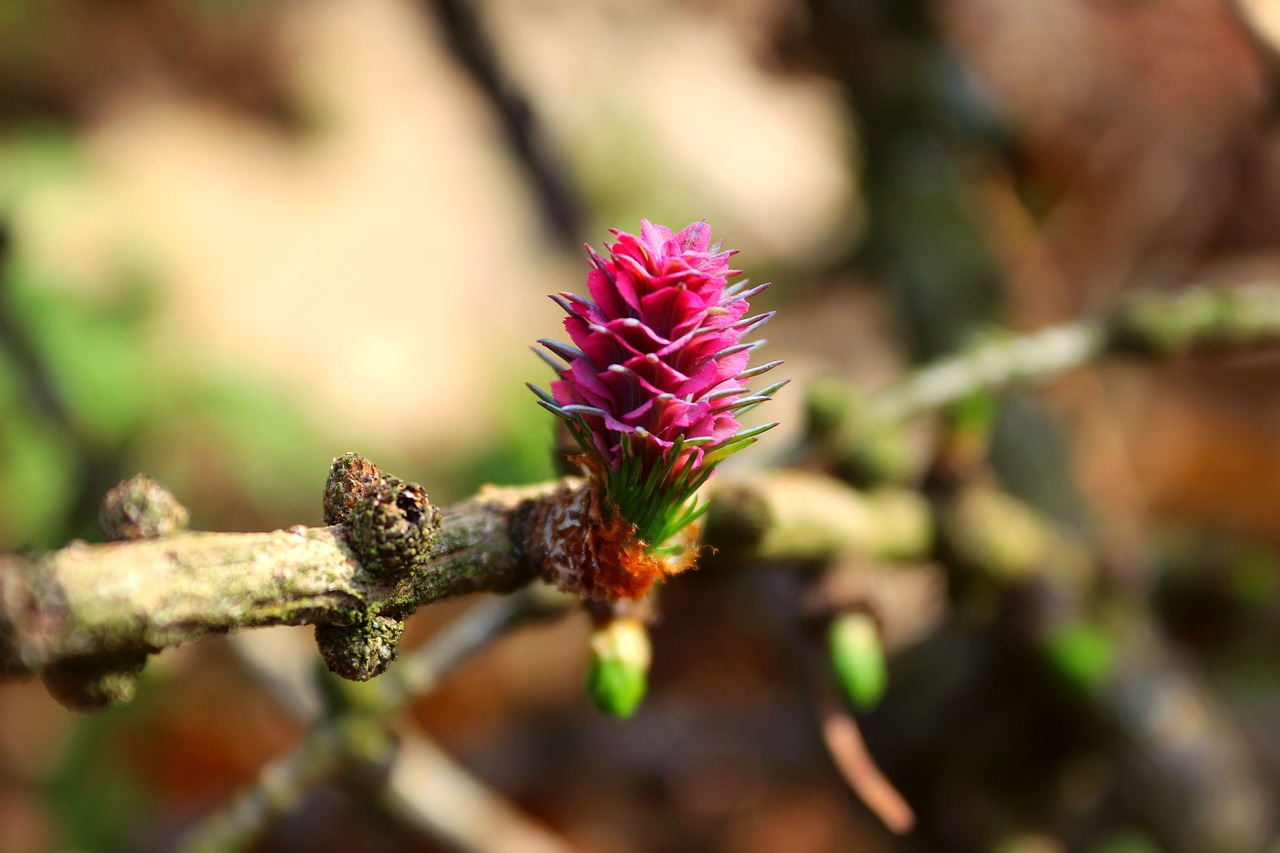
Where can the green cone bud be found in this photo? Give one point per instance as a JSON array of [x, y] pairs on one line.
[[857, 659], [619, 671]]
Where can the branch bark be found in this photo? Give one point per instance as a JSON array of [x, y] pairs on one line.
[[141, 596], [85, 617], [1148, 325], [353, 732]]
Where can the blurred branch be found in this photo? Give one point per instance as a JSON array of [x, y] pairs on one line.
[[465, 32], [427, 790], [353, 735], [96, 465], [1189, 765], [1152, 325], [280, 786], [921, 131], [849, 753], [34, 380], [988, 366], [1190, 768], [424, 788]]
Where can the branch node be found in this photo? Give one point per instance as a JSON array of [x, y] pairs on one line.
[[138, 508], [576, 542], [351, 478], [94, 682], [141, 508], [391, 524], [393, 529], [360, 652]]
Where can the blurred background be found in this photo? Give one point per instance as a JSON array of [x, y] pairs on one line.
[[244, 237]]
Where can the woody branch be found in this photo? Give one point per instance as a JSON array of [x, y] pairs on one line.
[[85, 617]]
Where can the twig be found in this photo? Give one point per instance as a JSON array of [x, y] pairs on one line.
[[1188, 766], [475, 52], [96, 465], [279, 788], [1148, 325], [357, 731], [145, 595], [134, 598], [990, 366], [849, 752], [420, 672], [429, 791]]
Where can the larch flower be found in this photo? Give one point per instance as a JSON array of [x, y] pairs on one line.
[[654, 382]]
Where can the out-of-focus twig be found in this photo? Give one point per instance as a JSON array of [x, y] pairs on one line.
[[1152, 325], [1187, 764], [466, 35], [427, 790], [355, 730], [96, 465], [849, 752], [280, 786], [1190, 768], [989, 366], [421, 671]]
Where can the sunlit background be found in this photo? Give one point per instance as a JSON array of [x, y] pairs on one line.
[[246, 237]]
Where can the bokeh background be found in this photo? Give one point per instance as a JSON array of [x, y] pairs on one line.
[[244, 237]]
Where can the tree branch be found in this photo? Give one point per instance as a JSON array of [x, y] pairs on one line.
[[144, 595], [1154, 325], [85, 617], [355, 731], [427, 790]]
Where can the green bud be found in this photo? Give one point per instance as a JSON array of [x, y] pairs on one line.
[[1083, 654], [618, 674], [857, 658]]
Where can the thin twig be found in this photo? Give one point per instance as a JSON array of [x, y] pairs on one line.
[[95, 464], [430, 792], [849, 752], [345, 735], [1153, 325], [280, 786], [473, 49], [419, 672], [990, 366]]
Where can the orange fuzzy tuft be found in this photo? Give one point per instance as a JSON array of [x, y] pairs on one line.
[[574, 544]]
